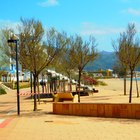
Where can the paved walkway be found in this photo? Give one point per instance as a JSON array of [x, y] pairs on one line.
[[43, 125]]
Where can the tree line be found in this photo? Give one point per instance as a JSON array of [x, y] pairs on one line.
[[127, 48], [39, 49]]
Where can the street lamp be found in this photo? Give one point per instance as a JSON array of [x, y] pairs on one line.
[[15, 41]]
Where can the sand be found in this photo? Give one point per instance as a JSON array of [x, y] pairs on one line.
[[113, 92]]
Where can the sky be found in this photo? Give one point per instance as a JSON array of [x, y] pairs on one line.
[[103, 19]]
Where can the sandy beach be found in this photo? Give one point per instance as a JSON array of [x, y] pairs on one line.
[[43, 124], [113, 92]]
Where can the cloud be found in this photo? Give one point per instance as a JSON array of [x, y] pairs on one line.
[[93, 29], [135, 12], [48, 3]]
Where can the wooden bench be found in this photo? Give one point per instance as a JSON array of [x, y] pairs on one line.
[[64, 96]]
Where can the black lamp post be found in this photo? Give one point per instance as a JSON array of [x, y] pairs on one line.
[[18, 99]]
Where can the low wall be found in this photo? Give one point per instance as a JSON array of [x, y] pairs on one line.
[[111, 110]]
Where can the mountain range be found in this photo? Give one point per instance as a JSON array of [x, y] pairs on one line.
[[105, 60]]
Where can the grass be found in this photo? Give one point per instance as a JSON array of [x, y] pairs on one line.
[[2, 91], [102, 83], [12, 85]]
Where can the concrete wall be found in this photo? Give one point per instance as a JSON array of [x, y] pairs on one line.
[[98, 109]]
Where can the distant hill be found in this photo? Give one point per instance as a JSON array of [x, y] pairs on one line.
[[105, 60]]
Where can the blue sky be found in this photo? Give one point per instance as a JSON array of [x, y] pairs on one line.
[[104, 19]]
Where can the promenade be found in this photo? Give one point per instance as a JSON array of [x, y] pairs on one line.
[[43, 125]]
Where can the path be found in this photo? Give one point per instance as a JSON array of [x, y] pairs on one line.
[[43, 125]]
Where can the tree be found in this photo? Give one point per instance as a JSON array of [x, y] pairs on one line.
[[82, 53], [128, 52], [35, 55], [65, 64], [7, 53], [121, 70]]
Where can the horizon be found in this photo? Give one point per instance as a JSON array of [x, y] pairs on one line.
[[105, 21]]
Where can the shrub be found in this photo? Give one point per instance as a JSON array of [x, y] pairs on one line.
[[2, 91], [102, 83], [24, 84], [9, 84], [12, 85]]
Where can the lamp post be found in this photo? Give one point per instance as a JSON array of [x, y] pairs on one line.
[[15, 41]]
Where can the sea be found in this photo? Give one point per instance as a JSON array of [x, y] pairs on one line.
[[134, 79]]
